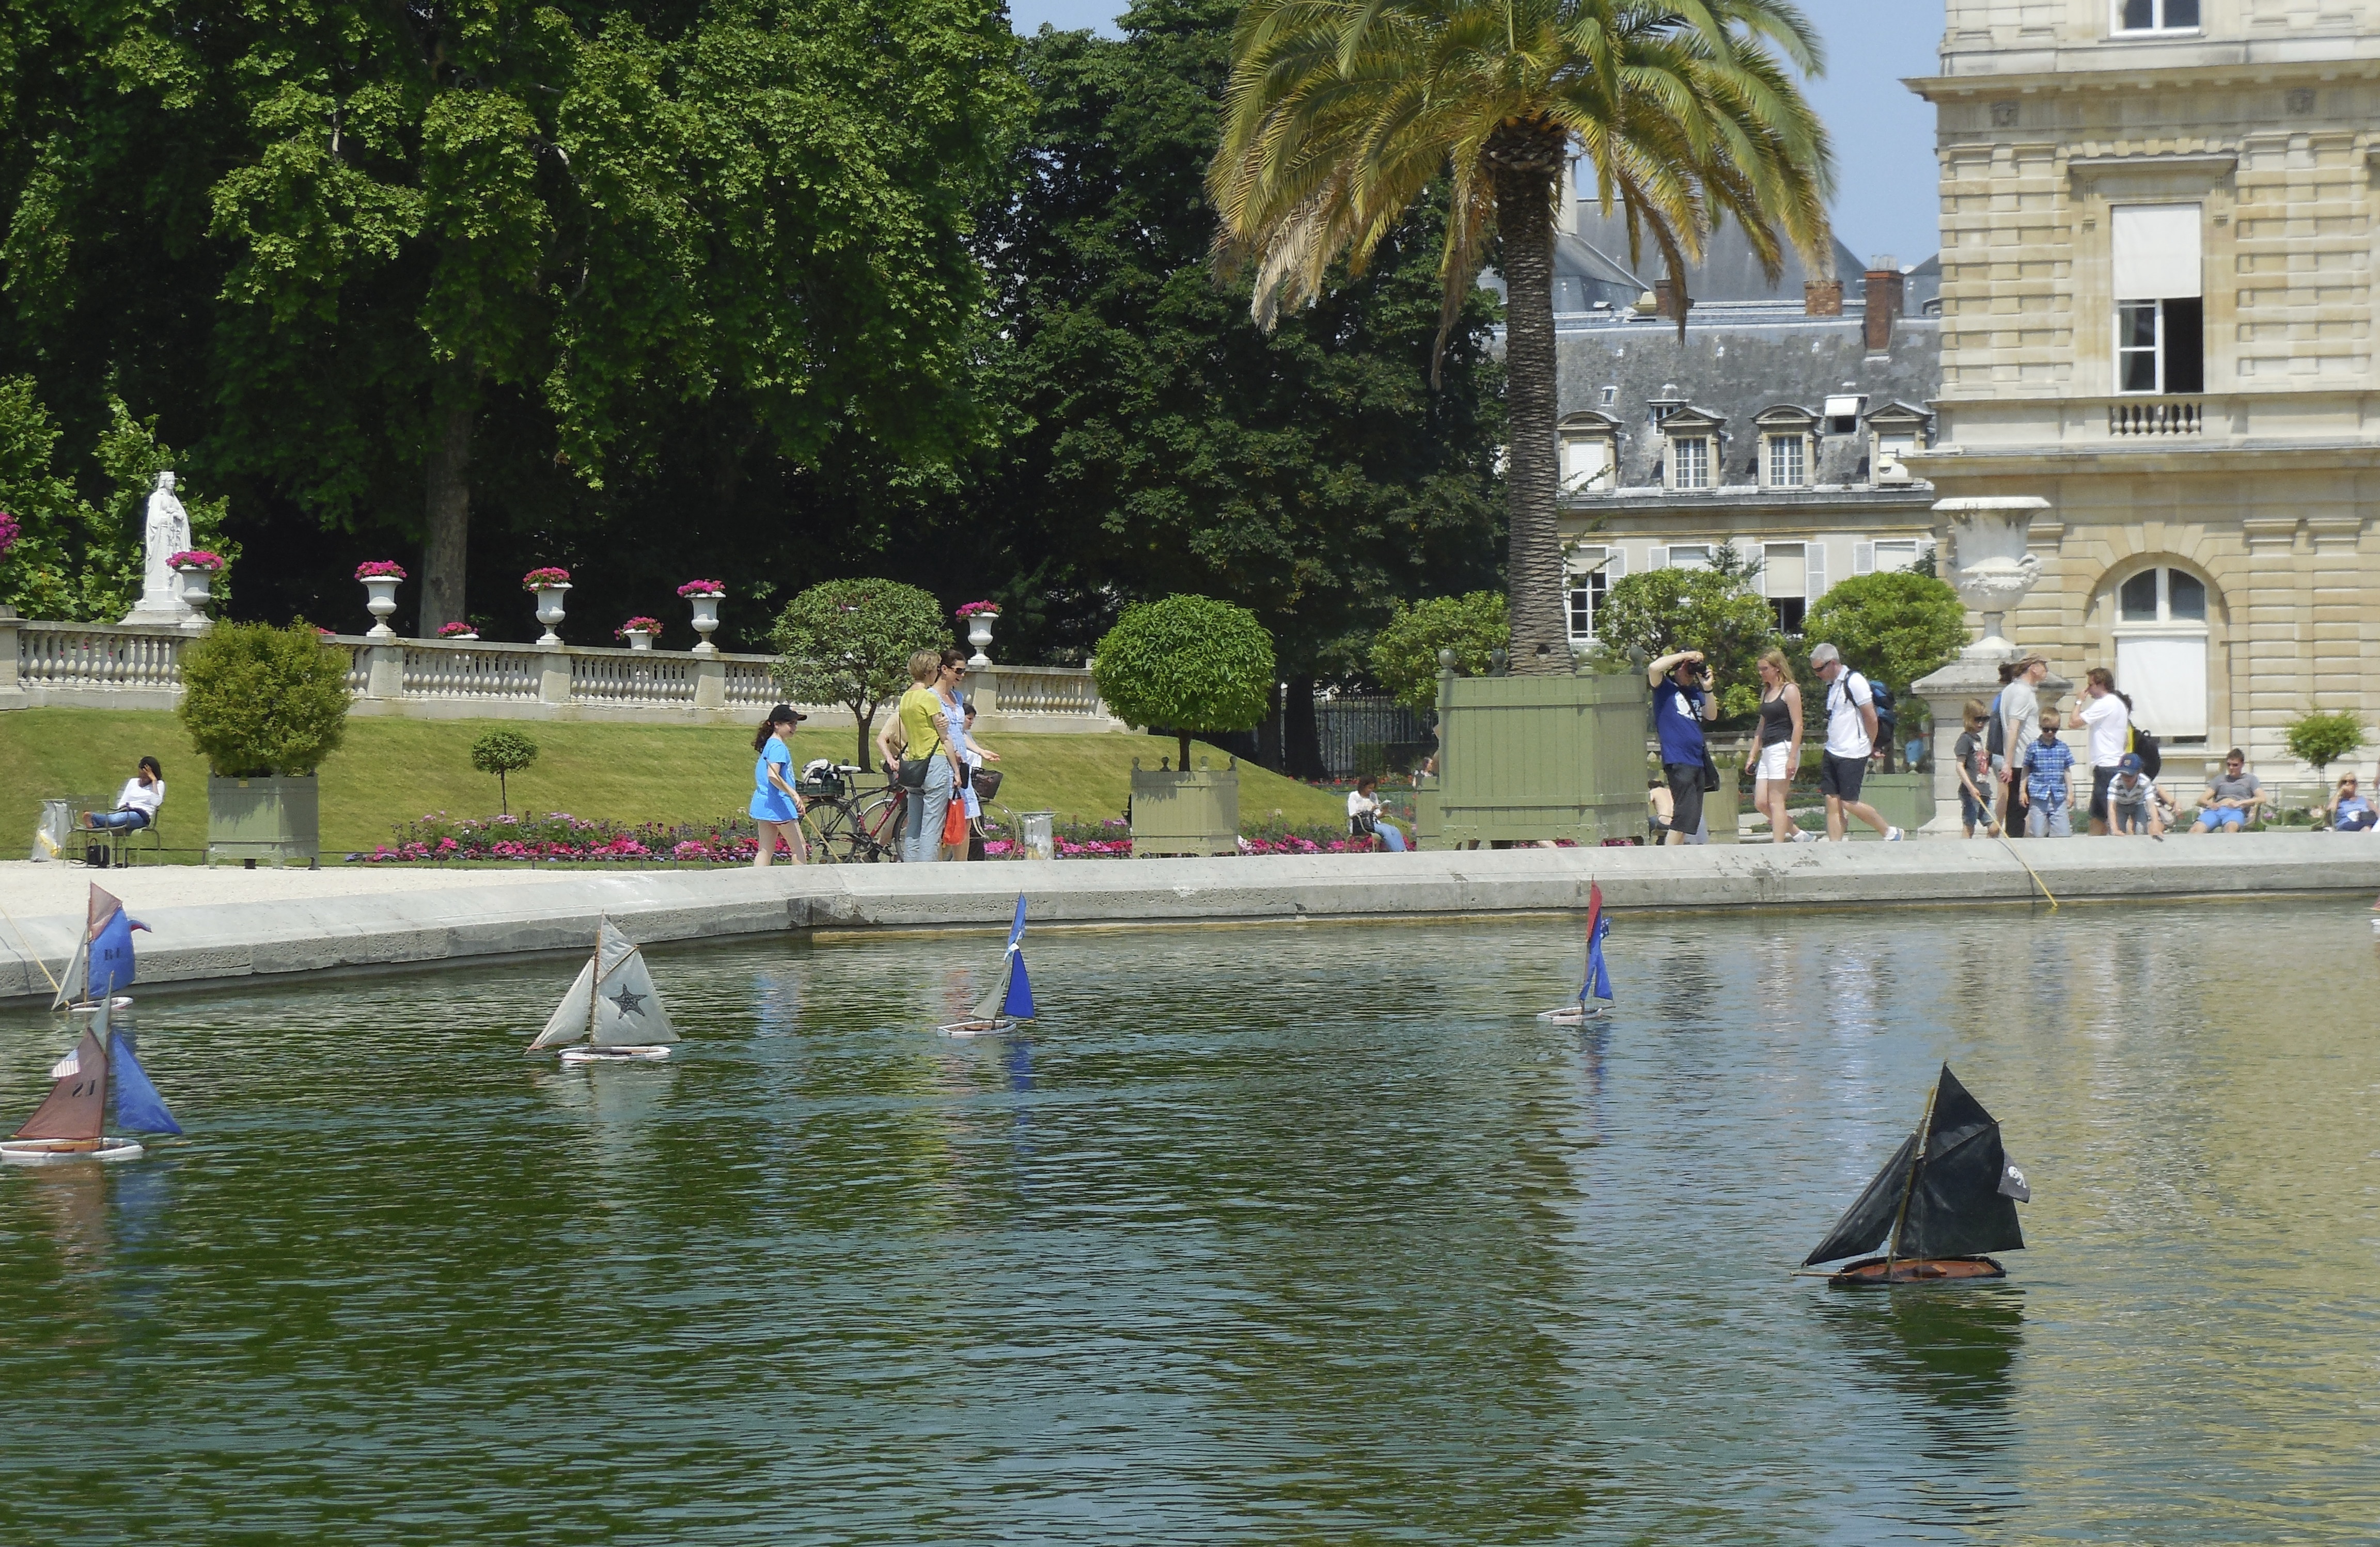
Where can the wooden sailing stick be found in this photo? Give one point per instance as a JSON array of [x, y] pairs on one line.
[[1909, 1183]]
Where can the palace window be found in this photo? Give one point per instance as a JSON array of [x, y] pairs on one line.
[[1690, 461], [2162, 596], [1788, 466], [1689, 555], [2160, 312], [2156, 16], [1785, 580], [1592, 571]]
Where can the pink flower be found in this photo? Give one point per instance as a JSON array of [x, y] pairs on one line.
[[380, 569], [191, 558], [637, 625], [538, 579], [457, 631], [980, 609], [703, 588], [10, 529]]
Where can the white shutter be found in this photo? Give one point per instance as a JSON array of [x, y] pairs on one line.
[[1863, 558], [1656, 557], [1760, 579], [1814, 581], [2155, 248], [1617, 566]]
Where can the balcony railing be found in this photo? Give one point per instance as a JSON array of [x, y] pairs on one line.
[[2158, 416]]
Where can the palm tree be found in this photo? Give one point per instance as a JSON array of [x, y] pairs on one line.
[[1342, 113]]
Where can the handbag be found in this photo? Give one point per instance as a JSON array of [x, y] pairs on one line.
[[914, 771], [1710, 777], [955, 823]]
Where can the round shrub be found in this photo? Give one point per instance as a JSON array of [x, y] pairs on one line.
[[259, 700], [1191, 665]]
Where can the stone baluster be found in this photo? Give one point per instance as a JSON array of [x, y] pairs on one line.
[[12, 691]]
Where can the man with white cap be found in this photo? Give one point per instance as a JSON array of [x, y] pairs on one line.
[[1851, 737]]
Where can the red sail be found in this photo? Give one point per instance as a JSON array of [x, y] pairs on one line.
[[78, 1104]]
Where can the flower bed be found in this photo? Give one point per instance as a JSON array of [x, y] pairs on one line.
[[380, 569], [558, 838]]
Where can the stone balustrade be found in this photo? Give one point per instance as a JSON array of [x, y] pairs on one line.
[[102, 665]]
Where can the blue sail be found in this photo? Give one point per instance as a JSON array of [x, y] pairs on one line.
[[1598, 982], [110, 955], [138, 1105], [1018, 1006], [1017, 929]]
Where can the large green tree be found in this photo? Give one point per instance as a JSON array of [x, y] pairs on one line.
[[394, 262], [1341, 116], [1159, 441]]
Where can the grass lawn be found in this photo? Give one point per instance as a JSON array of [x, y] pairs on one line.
[[392, 770]]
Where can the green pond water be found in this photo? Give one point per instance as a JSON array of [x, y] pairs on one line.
[[1296, 1235]]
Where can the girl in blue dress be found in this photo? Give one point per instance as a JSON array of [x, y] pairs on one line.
[[776, 807]]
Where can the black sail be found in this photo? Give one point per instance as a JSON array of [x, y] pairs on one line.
[[1865, 1224], [1956, 1209]]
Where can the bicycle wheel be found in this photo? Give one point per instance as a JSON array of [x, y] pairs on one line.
[[828, 821], [871, 828]]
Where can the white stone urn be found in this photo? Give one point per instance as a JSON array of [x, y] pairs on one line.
[[380, 600], [1991, 568], [706, 619], [638, 639], [549, 611], [198, 586], [979, 636]]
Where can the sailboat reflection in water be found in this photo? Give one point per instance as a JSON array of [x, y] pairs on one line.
[[1010, 999], [611, 1012], [1946, 1197]]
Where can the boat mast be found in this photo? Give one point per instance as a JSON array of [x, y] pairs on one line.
[[1909, 1183]]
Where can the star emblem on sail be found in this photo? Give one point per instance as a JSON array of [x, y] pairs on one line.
[[611, 988], [630, 1004]]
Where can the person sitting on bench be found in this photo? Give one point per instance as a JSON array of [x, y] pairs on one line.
[[137, 806]]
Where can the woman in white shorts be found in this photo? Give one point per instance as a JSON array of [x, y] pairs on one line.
[[1776, 746]]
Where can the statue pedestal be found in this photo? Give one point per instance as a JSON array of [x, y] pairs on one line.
[[163, 611]]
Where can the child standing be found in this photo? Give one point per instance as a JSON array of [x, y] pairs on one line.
[[1975, 762], [2046, 768]]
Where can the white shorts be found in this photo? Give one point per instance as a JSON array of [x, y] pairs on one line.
[[1772, 761]]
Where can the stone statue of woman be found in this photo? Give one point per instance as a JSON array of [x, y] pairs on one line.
[[166, 533]]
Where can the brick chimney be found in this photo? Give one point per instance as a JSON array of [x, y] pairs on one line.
[[1883, 302], [1665, 302], [1822, 297]]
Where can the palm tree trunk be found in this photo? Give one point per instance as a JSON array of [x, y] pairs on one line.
[[446, 511], [1525, 159]]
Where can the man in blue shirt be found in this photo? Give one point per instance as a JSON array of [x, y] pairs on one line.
[[1682, 701]]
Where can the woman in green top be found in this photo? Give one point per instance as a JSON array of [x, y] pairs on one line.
[[925, 731]]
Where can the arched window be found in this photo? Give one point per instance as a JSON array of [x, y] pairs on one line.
[[2161, 650], [2162, 596]]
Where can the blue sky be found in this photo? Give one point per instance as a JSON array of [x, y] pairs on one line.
[[1884, 134]]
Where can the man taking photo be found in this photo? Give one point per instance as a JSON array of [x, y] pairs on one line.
[[1683, 700]]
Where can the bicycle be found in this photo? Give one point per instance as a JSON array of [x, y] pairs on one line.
[[851, 826]]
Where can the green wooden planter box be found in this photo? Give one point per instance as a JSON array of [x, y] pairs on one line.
[[1906, 800], [1527, 758], [1194, 811], [274, 819]]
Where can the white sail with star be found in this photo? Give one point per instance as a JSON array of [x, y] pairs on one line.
[[611, 1010]]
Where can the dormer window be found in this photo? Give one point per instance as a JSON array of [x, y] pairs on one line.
[[1590, 451], [1787, 460], [1843, 411], [1786, 451], [2156, 16], [1690, 461]]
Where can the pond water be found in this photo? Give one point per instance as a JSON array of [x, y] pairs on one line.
[[1264, 1235]]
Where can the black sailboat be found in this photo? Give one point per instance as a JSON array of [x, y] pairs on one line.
[[1946, 1197]]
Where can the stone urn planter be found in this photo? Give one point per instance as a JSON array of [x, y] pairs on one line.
[[276, 818], [1185, 811], [197, 587], [704, 597], [979, 626], [550, 610], [380, 600], [638, 639]]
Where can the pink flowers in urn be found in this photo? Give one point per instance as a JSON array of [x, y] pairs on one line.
[[538, 579], [980, 609], [458, 631], [380, 569], [199, 558], [703, 588], [9, 532], [637, 625]]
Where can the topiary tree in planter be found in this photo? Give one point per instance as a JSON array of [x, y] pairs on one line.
[[263, 705], [500, 752], [1192, 664]]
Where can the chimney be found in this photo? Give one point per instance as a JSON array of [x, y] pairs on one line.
[[1883, 302], [1666, 303], [1822, 297]]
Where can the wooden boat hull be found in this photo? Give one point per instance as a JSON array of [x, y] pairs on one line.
[[652, 1054], [992, 1027], [51, 1151], [1574, 1015], [1876, 1273]]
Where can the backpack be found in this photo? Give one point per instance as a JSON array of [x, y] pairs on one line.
[[1995, 731], [1880, 699], [2145, 746]]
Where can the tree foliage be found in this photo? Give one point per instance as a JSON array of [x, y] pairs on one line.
[[1663, 611], [502, 752], [1159, 443], [1405, 653], [849, 642], [1892, 627], [259, 700], [1340, 117], [1191, 665], [2323, 739]]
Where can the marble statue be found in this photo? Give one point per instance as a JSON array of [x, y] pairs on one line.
[[166, 533]]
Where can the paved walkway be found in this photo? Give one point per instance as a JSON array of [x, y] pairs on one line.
[[211, 925]]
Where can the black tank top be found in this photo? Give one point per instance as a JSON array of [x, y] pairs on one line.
[[1775, 721]]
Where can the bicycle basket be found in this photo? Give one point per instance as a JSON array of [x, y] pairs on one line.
[[987, 783]]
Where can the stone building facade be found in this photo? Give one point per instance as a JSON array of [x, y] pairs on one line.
[[1783, 423], [2156, 297]]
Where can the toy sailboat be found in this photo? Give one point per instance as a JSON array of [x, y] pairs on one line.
[[613, 1010], [99, 1079], [1011, 999], [101, 964], [1594, 1000], [1946, 1197]]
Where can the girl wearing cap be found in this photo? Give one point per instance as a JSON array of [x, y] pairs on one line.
[[776, 806]]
